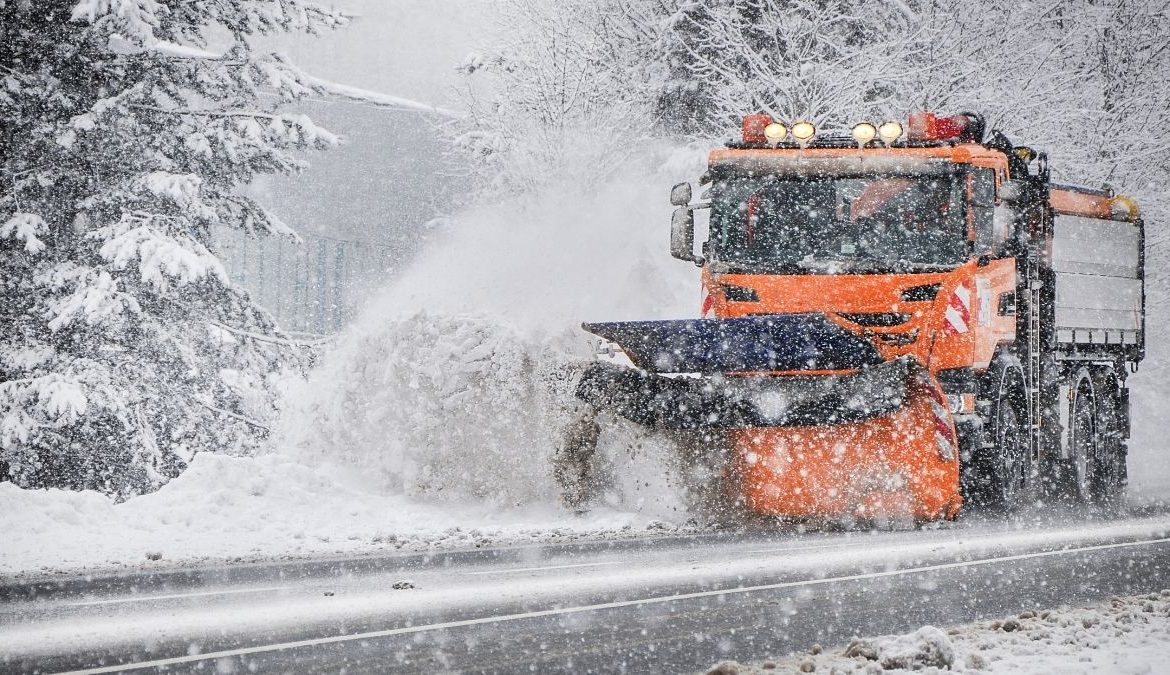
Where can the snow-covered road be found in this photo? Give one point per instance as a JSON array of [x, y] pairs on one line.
[[665, 604]]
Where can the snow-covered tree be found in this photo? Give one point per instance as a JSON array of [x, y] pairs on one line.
[[818, 60], [563, 91], [124, 139]]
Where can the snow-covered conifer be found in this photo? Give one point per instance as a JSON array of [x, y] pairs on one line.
[[124, 139]]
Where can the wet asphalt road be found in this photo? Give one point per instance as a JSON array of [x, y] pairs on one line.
[[673, 604]]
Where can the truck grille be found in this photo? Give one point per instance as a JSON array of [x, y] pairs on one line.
[[881, 319]]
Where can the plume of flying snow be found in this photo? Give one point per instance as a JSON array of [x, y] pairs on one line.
[[457, 380]]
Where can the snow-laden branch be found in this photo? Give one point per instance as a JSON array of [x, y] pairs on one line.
[[231, 414], [342, 91], [206, 113], [268, 338], [120, 45]]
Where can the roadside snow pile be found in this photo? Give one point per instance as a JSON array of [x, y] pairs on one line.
[[466, 409], [228, 508], [927, 647], [457, 406], [1124, 635]]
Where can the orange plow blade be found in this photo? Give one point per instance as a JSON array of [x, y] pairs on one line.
[[816, 422], [901, 465]]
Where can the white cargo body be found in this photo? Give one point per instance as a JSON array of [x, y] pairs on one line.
[[1097, 265]]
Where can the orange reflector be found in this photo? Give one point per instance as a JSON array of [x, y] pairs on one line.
[[926, 126]]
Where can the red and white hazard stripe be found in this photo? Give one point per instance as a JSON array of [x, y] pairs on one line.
[[708, 303], [957, 316], [944, 433]]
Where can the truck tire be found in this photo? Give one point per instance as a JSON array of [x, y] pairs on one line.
[[1009, 465], [1083, 438], [1108, 480]]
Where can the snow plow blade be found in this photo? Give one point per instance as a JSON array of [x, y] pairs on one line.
[[766, 343], [718, 402], [901, 465], [878, 443], [872, 440]]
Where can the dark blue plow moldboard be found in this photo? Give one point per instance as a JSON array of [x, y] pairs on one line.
[[750, 343]]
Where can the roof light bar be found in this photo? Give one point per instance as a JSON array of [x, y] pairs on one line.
[[775, 132], [803, 132], [890, 131], [926, 126], [864, 132]]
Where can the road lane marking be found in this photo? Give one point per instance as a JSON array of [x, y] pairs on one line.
[[390, 632], [547, 567], [174, 596], [810, 548], [856, 543]]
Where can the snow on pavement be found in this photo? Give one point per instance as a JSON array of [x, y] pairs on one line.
[[1126, 635]]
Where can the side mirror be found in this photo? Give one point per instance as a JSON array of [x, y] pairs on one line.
[[1012, 191], [680, 195], [682, 233]]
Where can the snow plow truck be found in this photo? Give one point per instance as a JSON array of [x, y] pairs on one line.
[[895, 321]]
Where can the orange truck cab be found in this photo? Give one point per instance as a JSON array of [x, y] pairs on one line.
[[894, 320]]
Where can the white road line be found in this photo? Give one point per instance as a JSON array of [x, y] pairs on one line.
[[808, 548], [314, 642], [546, 567], [175, 596]]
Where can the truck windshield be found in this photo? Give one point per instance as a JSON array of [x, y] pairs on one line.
[[834, 224]]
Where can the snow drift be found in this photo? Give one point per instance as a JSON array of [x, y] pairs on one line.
[[245, 508]]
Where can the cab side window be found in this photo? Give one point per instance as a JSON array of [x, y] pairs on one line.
[[983, 208]]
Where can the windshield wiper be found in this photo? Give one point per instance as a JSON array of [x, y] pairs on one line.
[[890, 267], [829, 266], [769, 267]]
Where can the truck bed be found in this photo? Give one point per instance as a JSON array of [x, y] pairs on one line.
[[1098, 267]]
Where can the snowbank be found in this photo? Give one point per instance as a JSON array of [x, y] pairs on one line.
[[441, 406], [226, 508], [1124, 635]]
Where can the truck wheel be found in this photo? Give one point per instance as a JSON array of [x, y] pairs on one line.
[[1011, 468], [1108, 480], [1083, 438]]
